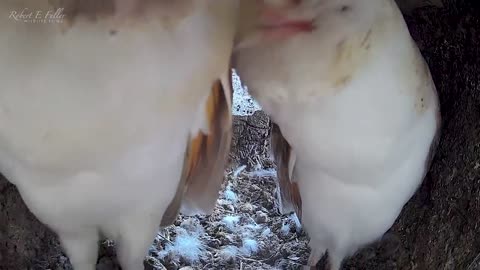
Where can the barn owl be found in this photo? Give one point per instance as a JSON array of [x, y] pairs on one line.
[[114, 114], [355, 108]]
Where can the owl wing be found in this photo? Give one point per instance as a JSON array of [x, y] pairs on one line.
[[285, 158], [205, 157]]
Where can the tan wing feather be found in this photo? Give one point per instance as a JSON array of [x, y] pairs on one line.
[[173, 208], [205, 158], [288, 192]]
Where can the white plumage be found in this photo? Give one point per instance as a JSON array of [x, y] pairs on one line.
[[96, 113], [357, 108]]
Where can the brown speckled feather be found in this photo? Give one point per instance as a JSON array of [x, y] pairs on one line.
[[288, 192], [203, 172]]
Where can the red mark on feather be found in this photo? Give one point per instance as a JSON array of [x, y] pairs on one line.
[[276, 24], [287, 30]]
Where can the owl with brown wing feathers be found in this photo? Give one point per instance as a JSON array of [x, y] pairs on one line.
[[114, 114], [355, 111]]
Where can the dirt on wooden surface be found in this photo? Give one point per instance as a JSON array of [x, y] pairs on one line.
[[246, 230], [438, 229]]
